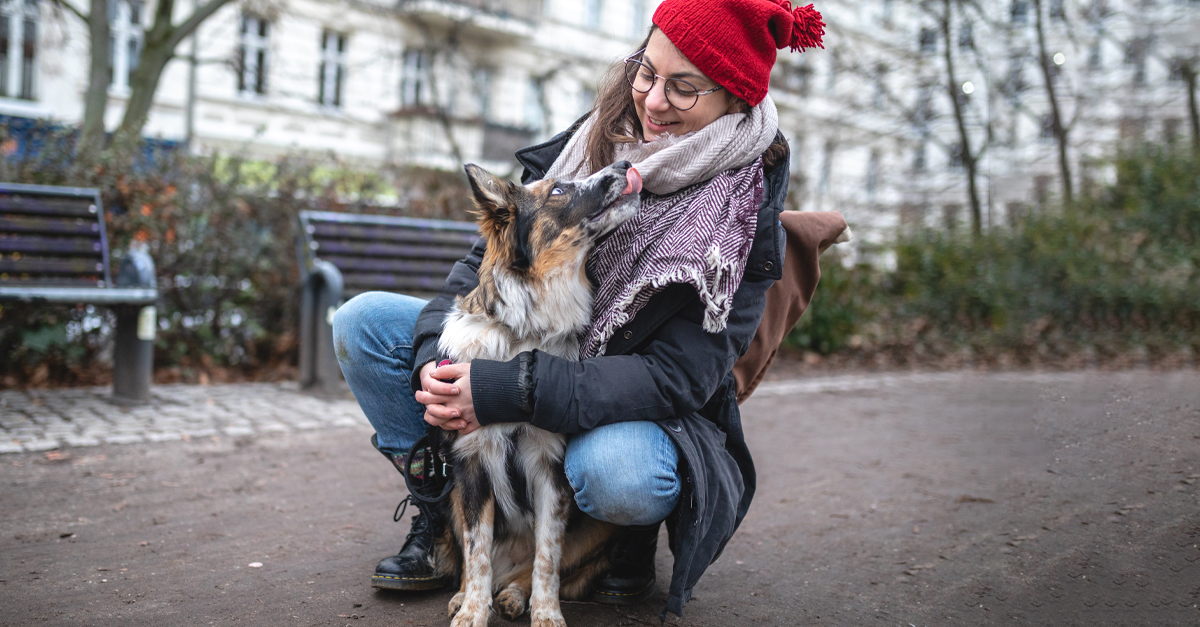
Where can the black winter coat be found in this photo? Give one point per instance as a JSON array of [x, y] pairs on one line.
[[667, 368]]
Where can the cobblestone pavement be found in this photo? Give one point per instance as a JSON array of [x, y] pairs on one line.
[[40, 420]]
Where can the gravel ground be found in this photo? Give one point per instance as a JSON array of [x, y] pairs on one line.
[[928, 499]]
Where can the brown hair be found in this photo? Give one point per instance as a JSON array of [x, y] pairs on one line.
[[617, 119]]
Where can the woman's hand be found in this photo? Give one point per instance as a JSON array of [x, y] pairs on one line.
[[446, 394]]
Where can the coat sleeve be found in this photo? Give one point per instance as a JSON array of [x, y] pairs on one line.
[[463, 278], [672, 375]]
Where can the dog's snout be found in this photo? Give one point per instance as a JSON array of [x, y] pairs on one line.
[[622, 165]]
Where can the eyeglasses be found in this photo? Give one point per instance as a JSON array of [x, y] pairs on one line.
[[681, 94]]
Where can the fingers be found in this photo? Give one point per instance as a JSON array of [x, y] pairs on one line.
[[448, 424], [440, 413], [450, 372], [441, 388], [425, 398]]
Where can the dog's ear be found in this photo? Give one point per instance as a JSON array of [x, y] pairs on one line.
[[493, 199]]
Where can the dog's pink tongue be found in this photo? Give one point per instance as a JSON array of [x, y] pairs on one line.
[[633, 182]]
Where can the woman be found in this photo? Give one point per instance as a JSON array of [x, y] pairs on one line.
[[680, 290]]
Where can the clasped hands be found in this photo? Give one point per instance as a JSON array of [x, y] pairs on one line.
[[446, 394]]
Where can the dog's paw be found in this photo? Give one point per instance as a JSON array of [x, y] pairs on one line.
[[510, 602], [455, 604], [547, 619]]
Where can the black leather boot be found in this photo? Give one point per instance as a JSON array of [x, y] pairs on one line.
[[630, 580], [413, 568]]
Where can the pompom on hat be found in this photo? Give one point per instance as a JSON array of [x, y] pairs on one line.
[[734, 41]]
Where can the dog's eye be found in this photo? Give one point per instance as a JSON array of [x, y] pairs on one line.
[[556, 191]]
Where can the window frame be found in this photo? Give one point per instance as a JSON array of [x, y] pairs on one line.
[[254, 43], [331, 71]]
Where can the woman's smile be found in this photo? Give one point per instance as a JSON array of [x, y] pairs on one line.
[[656, 113]]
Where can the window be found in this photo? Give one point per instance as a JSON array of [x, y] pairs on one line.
[[252, 58], [956, 157], [1171, 130], [1176, 75], [919, 161], [18, 49], [332, 72], [1047, 131], [124, 41], [415, 90], [1016, 75], [872, 182], [1095, 54], [951, 216], [1019, 11], [482, 78], [826, 168], [880, 94], [535, 112], [795, 78], [928, 40], [923, 112], [966, 36], [591, 13], [1058, 10]]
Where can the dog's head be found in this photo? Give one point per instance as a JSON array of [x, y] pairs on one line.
[[547, 226], [539, 237]]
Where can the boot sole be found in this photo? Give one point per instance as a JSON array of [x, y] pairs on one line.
[[392, 582], [622, 598]]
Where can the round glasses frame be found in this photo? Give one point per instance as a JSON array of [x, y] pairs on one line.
[[634, 66]]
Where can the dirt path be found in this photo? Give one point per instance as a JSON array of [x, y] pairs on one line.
[[915, 500]]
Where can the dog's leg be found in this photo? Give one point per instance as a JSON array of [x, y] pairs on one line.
[[475, 506], [550, 509]]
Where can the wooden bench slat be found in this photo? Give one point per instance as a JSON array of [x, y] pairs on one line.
[[51, 265], [53, 245], [392, 282], [19, 282], [48, 206], [396, 266], [323, 231], [55, 225], [369, 249]]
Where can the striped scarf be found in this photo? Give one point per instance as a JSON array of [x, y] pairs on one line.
[[695, 225]]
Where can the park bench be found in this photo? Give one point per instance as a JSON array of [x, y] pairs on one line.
[[343, 254], [54, 249]]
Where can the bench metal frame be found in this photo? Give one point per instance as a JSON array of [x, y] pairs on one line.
[[132, 297], [324, 290]]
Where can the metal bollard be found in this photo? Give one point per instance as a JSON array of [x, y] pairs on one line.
[[133, 353]]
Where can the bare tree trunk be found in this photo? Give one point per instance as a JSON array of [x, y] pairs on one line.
[[1057, 126], [91, 135], [1189, 79], [159, 48], [969, 159]]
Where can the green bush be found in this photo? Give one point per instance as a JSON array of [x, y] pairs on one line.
[[1114, 275]]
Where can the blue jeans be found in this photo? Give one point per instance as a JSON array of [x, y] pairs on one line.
[[625, 473]]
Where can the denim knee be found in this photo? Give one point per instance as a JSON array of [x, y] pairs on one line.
[[625, 473], [374, 321]]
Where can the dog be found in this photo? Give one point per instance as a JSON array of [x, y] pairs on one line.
[[515, 528]]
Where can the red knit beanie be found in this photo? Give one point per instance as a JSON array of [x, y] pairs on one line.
[[734, 41]]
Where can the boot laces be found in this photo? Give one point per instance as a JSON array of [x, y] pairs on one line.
[[420, 523]]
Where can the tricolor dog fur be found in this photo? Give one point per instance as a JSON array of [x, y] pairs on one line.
[[515, 525]]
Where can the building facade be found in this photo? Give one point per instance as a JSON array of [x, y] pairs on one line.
[[884, 122]]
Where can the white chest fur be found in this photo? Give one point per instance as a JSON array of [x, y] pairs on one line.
[[547, 315]]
